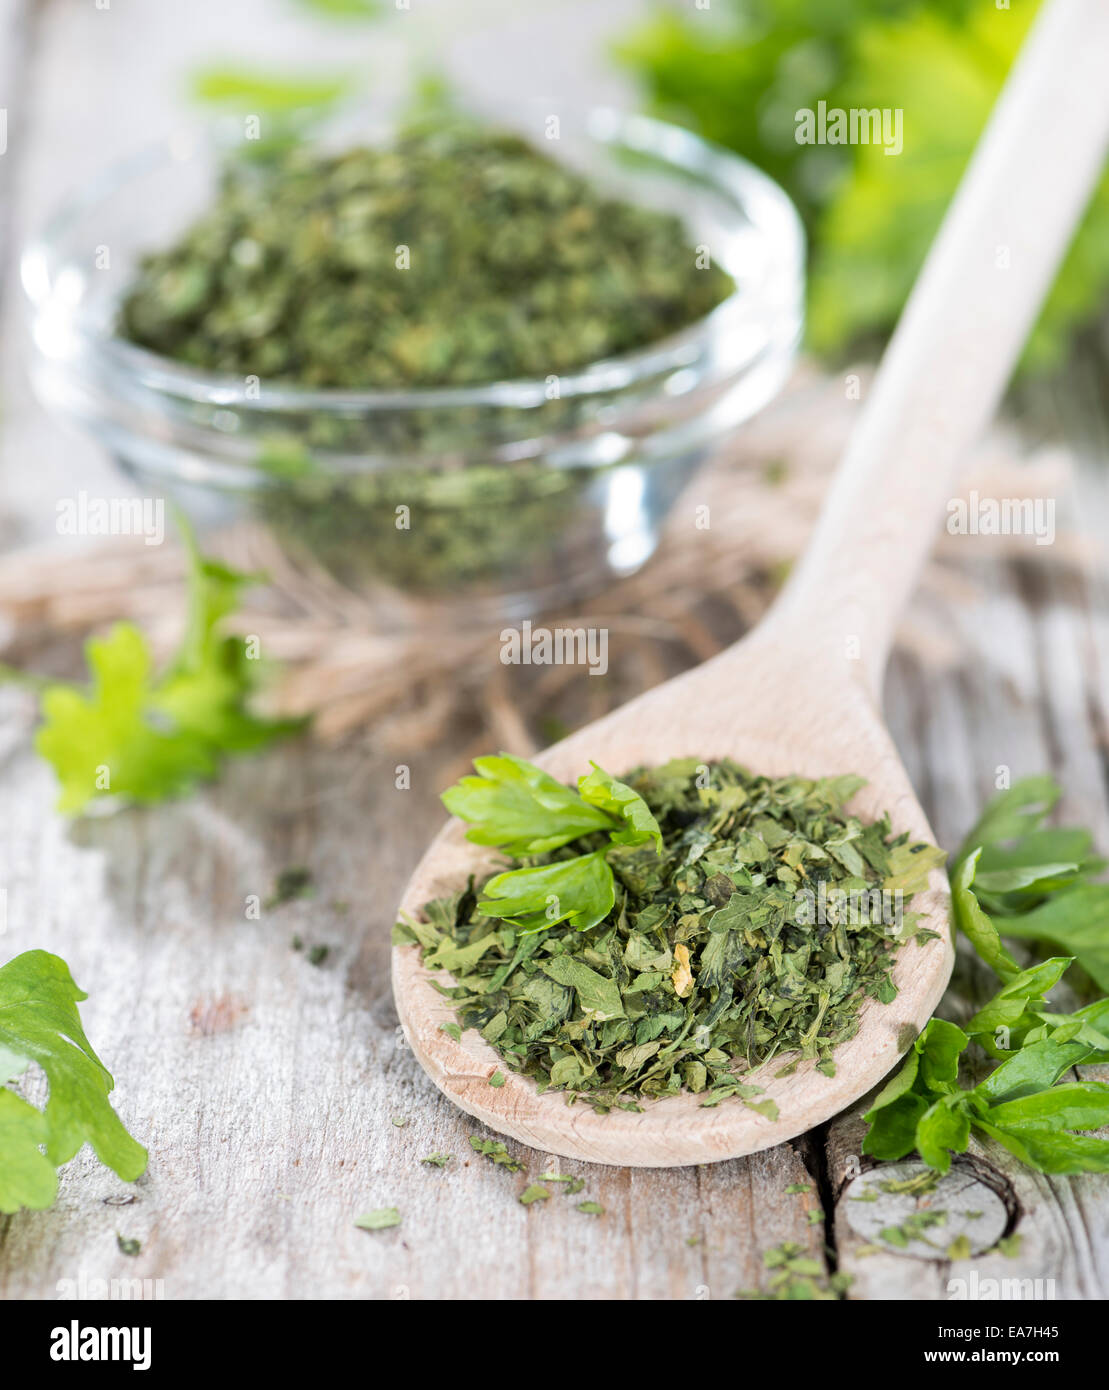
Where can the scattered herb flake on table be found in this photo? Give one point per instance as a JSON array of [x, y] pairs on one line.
[[380, 1220], [290, 885], [794, 1275], [496, 1153]]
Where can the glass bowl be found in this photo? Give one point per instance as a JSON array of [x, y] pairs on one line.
[[489, 500]]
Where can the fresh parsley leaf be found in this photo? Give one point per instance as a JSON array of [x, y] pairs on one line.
[[626, 805], [973, 922], [1013, 813], [929, 1072], [915, 56], [103, 743], [1019, 1104], [1014, 878], [886, 211], [942, 1129], [521, 809], [1076, 919], [1089, 1025], [1033, 1068], [893, 1125], [579, 891], [204, 688], [1033, 879], [27, 1176], [940, 1047], [1004, 1024], [1081, 1105], [39, 1023], [1050, 1151], [142, 738]]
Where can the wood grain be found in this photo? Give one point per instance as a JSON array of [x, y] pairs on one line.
[[265, 1087]]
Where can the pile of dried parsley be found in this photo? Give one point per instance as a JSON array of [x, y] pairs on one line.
[[460, 255], [699, 962]]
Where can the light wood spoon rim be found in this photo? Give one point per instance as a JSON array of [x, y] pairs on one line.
[[803, 687]]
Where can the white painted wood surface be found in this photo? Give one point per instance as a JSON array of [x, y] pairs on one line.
[[265, 1087]]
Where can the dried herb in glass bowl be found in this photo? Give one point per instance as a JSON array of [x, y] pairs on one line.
[[463, 376], [458, 255]]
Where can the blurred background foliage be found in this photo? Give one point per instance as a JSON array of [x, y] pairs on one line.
[[739, 71]]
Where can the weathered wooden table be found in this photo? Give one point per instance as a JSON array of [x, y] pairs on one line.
[[277, 1098]]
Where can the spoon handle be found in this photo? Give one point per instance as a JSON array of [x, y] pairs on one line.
[[959, 336]]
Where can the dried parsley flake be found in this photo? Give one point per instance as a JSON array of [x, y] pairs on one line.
[[459, 255], [794, 1275], [380, 1220], [787, 909], [496, 1153]]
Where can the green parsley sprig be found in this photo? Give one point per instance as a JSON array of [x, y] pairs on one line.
[[1014, 877], [743, 80], [517, 807], [39, 1023], [141, 736]]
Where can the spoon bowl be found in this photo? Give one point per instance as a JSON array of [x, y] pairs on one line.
[[746, 705]]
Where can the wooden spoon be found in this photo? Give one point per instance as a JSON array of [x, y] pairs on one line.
[[800, 694]]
